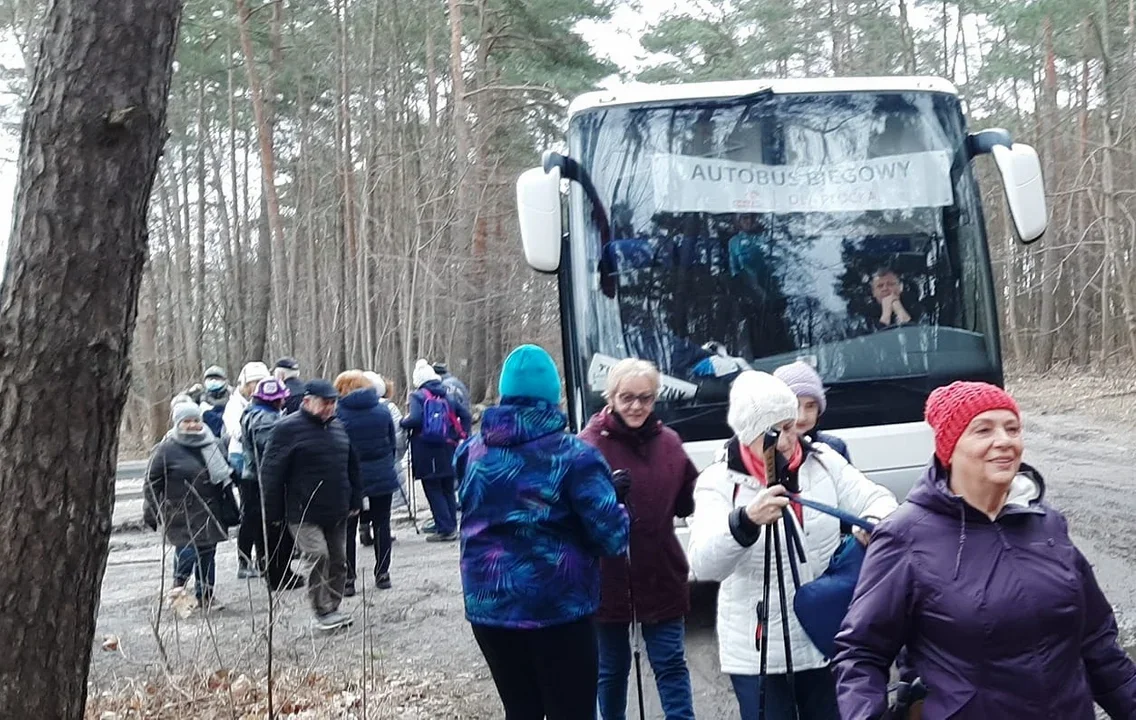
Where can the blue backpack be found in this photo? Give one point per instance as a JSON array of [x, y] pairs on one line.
[[439, 422]]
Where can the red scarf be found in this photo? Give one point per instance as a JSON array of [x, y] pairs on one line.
[[756, 468]]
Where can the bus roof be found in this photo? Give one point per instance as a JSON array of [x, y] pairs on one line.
[[642, 93]]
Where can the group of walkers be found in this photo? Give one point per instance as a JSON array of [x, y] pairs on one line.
[[315, 464], [570, 564], [569, 559]]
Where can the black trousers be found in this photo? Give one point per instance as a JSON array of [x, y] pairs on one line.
[[380, 518], [250, 536], [546, 673], [281, 546]]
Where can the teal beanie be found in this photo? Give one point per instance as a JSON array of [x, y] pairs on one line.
[[529, 372]]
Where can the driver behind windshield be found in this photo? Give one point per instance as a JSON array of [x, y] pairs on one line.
[[890, 308]]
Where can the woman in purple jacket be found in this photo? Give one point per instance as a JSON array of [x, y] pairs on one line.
[[1001, 615], [662, 479]]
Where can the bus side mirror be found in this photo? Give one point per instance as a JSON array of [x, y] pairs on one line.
[[538, 209], [1025, 189]]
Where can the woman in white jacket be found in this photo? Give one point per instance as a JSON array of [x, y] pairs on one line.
[[251, 374], [733, 507]]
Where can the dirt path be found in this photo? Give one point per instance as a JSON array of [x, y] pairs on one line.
[[417, 629]]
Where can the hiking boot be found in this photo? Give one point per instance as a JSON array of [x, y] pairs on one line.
[[291, 581], [366, 538], [383, 581], [440, 537], [349, 589], [211, 604]]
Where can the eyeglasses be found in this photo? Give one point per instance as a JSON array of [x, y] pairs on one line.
[[646, 399]]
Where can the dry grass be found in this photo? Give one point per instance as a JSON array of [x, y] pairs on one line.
[[223, 695]]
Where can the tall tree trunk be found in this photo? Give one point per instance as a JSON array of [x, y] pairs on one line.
[[462, 227], [1082, 340], [68, 304], [271, 200], [200, 294], [1047, 324]]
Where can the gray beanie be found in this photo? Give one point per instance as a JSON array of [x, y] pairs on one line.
[[758, 402], [803, 381], [185, 411]]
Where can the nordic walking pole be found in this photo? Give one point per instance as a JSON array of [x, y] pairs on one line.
[[636, 638], [784, 617], [763, 639], [636, 630]]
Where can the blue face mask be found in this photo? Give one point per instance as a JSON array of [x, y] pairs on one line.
[[213, 385]]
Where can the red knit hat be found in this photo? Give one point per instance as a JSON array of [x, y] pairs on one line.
[[950, 409]]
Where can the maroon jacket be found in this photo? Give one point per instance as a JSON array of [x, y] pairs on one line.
[[662, 488]]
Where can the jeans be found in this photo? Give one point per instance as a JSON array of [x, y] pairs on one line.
[[199, 561], [667, 655], [325, 549], [816, 696], [443, 503], [543, 673]]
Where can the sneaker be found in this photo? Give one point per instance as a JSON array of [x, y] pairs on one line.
[[440, 537], [430, 528], [366, 539], [349, 589], [334, 620], [383, 581]]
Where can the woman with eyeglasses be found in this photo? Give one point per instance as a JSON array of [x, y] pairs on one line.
[[661, 487]]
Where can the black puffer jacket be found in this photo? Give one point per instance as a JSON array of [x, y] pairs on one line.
[[309, 472], [180, 497]]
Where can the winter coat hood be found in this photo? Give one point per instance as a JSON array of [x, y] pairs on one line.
[[520, 422], [608, 423], [362, 399], [933, 492], [435, 386]]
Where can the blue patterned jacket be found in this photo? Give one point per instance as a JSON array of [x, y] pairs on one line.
[[538, 510]]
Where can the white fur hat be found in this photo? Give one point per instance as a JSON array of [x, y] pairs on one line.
[[423, 373], [377, 380], [759, 401]]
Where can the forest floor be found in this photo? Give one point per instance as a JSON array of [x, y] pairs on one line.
[[410, 653]]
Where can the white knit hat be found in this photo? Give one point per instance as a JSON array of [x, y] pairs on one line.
[[423, 373], [253, 372], [759, 401]]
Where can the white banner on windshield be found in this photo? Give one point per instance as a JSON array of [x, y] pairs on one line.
[[670, 388], [685, 183]]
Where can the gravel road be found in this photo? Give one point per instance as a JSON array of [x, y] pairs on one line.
[[1088, 462]]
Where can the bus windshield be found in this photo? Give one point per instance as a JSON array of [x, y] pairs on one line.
[[843, 229]]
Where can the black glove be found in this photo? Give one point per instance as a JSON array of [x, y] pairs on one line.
[[621, 481]]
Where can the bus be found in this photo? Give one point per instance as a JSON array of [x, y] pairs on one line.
[[716, 227]]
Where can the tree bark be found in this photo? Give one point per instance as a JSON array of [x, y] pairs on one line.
[[68, 304], [271, 201], [1047, 324]]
